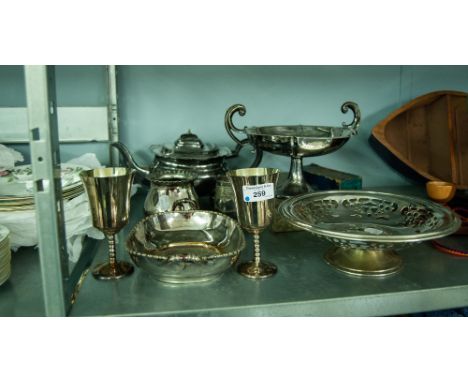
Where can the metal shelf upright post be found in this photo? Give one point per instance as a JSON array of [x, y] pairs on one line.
[[45, 160], [59, 283]]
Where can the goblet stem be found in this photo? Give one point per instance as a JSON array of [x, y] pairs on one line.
[[256, 269], [113, 269], [256, 239], [112, 254]]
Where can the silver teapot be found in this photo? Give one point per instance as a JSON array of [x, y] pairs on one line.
[[189, 153]]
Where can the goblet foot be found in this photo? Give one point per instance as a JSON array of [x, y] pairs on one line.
[[364, 262], [105, 271], [254, 270]]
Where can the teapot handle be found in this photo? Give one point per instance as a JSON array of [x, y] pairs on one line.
[[230, 128], [178, 205]]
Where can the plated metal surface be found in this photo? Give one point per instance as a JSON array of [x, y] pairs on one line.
[[185, 246], [108, 191], [305, 286], [366, 226], [254, 216], [171, 191], [296, 141]]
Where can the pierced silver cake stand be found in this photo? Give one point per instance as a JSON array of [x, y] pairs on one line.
[[296, 141], [366, 227]]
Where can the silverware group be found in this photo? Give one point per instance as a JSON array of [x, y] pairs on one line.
[[178, 242]]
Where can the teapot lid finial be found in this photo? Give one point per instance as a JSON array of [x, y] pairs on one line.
[[188, 142]]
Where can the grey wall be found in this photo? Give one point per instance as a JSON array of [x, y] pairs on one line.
[[158, 103], [84, 85]]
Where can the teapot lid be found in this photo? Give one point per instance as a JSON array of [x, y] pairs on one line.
[[189, 146]]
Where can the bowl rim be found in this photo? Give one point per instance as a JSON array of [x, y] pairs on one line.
[[212, 256], [285, 209], [255, 131]]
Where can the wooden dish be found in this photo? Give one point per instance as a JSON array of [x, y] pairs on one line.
[[427, 139]]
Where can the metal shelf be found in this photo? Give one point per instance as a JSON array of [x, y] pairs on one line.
[[304, 285]]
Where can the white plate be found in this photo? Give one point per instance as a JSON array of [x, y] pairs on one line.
[[18, 182], [30, 206]]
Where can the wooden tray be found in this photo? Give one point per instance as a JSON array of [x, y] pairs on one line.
[[427, 138]]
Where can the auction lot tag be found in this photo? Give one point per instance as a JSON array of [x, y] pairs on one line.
[[258, 192]]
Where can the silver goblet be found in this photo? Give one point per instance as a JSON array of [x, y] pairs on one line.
[[254, 195], [108, 191]]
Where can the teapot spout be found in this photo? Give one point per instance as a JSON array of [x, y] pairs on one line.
[[129, 159]]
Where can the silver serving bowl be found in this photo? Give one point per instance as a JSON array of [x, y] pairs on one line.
[[366, 227], [296, 141], [300, 140], [185, 246]]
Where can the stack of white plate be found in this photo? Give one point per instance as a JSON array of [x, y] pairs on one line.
[[17, 186], [5, 254]]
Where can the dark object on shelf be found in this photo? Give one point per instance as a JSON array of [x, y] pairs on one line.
[[328, 179], [427, 139], [454, 245], [462, 213]]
